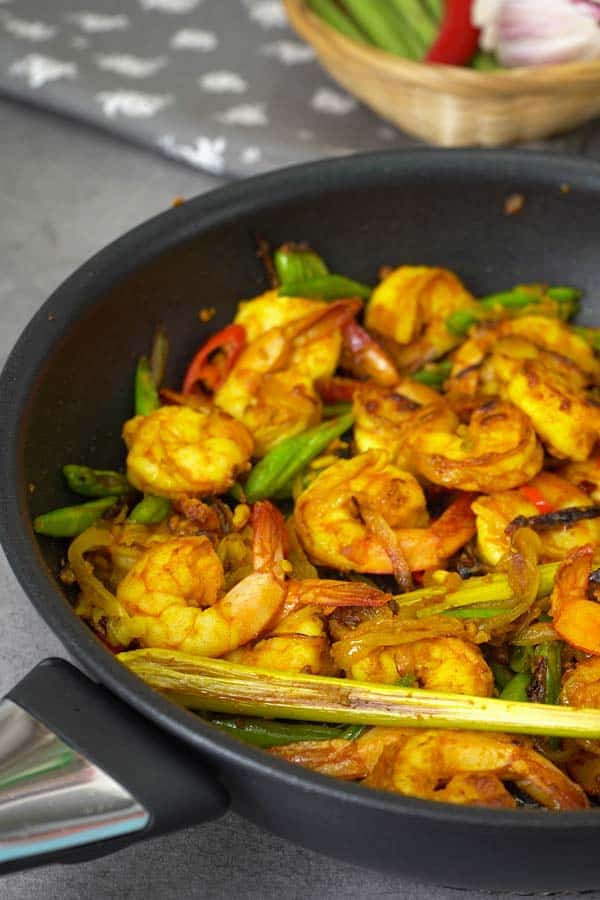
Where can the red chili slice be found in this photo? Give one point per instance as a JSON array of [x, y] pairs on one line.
[[534, 495], [214, 361]]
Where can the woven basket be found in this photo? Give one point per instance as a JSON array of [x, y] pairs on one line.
[[450, 105]]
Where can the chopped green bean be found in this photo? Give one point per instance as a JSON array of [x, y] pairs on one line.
[[150, 511], [331, 13], [502, 674], [433, 374], [326, 287], [69, 521], [159, 356], [516, 689], [297, 263], [336, 409], [461, 320], [95, 482], [277, 470], [509, 300], [146, 394], [268, 733]]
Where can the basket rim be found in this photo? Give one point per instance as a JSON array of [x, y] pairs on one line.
[[439, 76]]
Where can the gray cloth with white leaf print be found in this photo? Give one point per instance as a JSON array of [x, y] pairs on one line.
[[224, 85]]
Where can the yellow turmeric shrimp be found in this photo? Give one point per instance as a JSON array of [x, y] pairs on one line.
[[586, 475], [447, 766], [409, 309], [550, 392], [269, 311], [177, 450], [468, 768], [498, 448], [576, 617], [359, 512], [271, 387], [298, 643], [390, 418], [581, 684], [436, 653], [548, 491]]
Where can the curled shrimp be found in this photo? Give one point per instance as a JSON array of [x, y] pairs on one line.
[[271, 387], [467, 768], [447, 766], [550, 391], [581, 684], [177, 450], [391, 418], [498, 448], [334, 518], [270, 310], [437, 664], [576, 617], [495, 512], [409, 309]]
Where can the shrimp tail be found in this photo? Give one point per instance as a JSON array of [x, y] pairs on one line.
[[326, 592], [269, 537]]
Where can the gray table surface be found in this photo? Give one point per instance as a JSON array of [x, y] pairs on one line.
[[66, 191]]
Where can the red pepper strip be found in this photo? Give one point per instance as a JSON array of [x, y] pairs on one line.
[[457, 38], [212, 373], [336, 388], [534, 495]]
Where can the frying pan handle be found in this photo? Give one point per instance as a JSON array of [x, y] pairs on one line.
[[82, 774]]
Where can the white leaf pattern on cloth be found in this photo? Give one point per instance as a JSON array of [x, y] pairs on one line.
[[128, 65], [132, 103], [249, 114], [38, 70], [169, 6], [328, 101], [29, 31], [194, 39], [251, 155], [206, 153], [223, 83], [266, 13], [288, 52], [97, 23]]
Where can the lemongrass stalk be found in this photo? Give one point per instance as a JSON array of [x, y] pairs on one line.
[[217, 685], [487, 590]]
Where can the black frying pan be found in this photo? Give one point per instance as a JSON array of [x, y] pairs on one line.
[[67, 388]]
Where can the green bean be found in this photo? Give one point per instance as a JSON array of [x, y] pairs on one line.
[[516, 689], [461, 320], [326, 287], [297, 262], [520, 659], [436, 9], [383, 26], [159, 356], [551, 651], [433, 374], [95, 482], [418, 23], [564, 294], [268, 733], [278, 468], [69, 521], [502, 674], [515, 299], [150, 511], [485, 62], [331, 13], [336, 409], [146, 394], [474, 612]]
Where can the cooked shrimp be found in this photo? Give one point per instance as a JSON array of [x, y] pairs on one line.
[[330, 518], [391, 418], [410, 307], [496, 511], [269, 311], [298, 643], [464, 767], [446, 766], [178, 450], [550, 392], [438, 664], [576, 617], [350, 760], [271, 387], [498, 448], [581, 684], [586, 475]]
